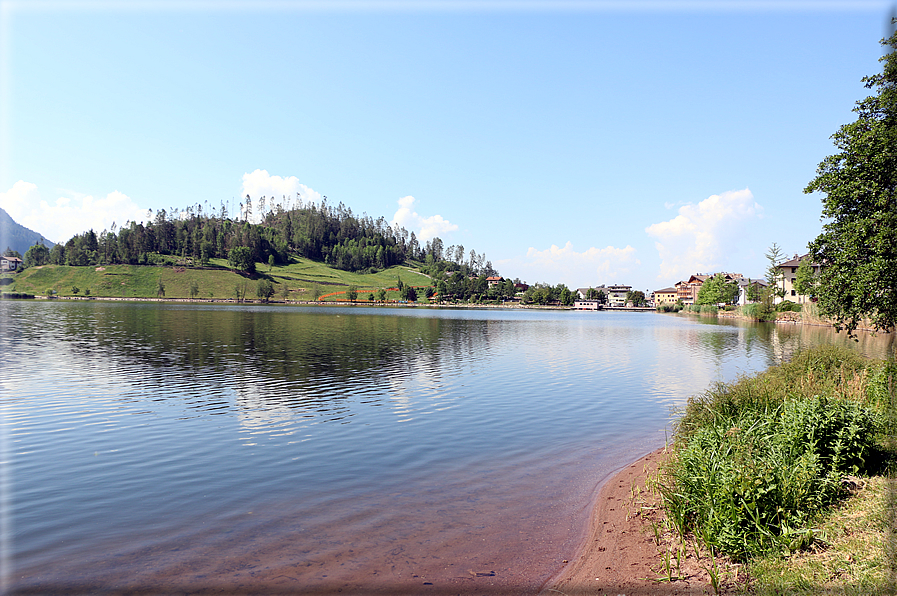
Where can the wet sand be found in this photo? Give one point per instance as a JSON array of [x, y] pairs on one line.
[[620, 555]]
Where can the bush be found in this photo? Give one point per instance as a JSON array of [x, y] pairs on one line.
[[754, 482], [757, 311], [667, 307], [757, 460], [788, 306]]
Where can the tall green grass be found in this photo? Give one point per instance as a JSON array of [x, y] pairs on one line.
[[756, 461], [701, 309]]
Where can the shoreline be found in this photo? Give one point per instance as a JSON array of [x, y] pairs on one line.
[[614, 556], [619, 554]]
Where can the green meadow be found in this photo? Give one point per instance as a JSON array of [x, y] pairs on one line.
[[300, 280]]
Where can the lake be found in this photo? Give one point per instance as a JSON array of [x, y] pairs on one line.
[[164, 448]]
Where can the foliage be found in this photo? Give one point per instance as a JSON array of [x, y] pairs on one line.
[[717, 290], [596, 294], [773, 272], [805, 279], [788, 306], [240, 291], [668, 307], [701, 309], [160, 288], [858, 245], [636, 297], [194, 289], [264, 290], [352, 293], [754, 293], [408, 293], [757, 460], [756, 311], [241, 259], [853, 563], [37, 255], [545, 294]]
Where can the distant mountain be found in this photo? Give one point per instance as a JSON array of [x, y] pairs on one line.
[[17, 236]]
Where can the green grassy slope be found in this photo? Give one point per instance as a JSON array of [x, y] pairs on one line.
[[300, 278]]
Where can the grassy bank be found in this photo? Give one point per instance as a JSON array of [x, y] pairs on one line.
[[761, 471], [301, 279]]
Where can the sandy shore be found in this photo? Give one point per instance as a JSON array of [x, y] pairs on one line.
[[620, 555]]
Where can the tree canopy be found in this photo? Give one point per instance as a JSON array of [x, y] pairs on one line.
[[240, 258], [717, 290], [857, 248]]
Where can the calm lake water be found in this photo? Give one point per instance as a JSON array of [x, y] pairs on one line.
[[158, 448]]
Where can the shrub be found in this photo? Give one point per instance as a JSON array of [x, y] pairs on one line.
[[754, 482], [757, 311], [756, 460], [667, 307], [16, 296], [788, 306]]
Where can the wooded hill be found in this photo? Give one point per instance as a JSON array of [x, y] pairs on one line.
[[320, 232]]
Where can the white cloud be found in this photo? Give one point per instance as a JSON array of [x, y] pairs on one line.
[[281, 190], [425, 228], [67, 215], [592, 267], [701, 237]]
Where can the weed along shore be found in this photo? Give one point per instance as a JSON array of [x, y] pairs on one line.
[[779, 483]]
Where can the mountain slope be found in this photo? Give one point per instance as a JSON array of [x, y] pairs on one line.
[[17, 236]]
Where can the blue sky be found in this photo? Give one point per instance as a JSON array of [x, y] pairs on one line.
[[572, 142]]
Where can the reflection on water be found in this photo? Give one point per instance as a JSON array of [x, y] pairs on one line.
[[148, 442]]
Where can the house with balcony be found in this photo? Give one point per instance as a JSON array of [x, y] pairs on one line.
[[616, 294], [687, 291]]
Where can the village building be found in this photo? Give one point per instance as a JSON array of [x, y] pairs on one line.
[[687, 291], [788, 277], [584, 304], [616, 294], [10, 263], [665, 296]]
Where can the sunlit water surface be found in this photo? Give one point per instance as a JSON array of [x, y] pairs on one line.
[[171, 447]]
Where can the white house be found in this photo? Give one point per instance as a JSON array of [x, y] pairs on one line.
[[10, 263]]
